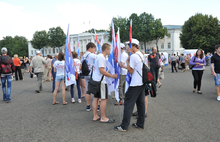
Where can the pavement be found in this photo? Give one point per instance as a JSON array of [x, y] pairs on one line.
[[175, 115]]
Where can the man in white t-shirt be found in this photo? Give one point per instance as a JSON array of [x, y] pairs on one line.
[[90, 57], [135, 92], [99, 74], [123, 73]]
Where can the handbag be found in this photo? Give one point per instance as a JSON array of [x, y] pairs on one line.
[[76, 73], [94, 86], [192, 66]]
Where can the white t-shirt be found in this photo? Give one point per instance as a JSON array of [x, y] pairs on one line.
[[124, 57], [99, 62], [59, 65], [136, 64], [77, 64], [90, 60]]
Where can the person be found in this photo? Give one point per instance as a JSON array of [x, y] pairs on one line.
[[198, 61], [47, 69], [215, 69], [59, 68], [54, 73], [23, 65], [135, 92], [153, 63], [38, 63], [182, 62], [186, 63], [99, 73], [123, 73], [90, 57], [17, 64], [77, 65], [7, 67], [27, 64], [173, 61], [162, 57], [82, 80]]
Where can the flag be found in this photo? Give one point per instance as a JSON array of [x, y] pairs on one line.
[[117, 53], [92, 40], [128, 77], [77, 49], [71, 45], [98, 45], [69, 66], [102, 41], [111, 64]]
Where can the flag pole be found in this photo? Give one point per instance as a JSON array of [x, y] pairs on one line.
[[112, 105]]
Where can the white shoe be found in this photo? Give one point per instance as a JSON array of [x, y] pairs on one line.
[[218, 98], [79, 101], [73, 100]]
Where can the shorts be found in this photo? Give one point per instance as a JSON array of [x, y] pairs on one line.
[[81, 76], [60, 78], [22, 71], [103, 94], [87, 80], [217, 79]]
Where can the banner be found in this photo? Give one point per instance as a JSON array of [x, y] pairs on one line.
[[77, 49], [98, 45]]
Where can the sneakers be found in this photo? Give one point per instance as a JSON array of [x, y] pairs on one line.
[[135, 113], [73, 100], [119, 128], [79, 101], [218, 98], [37, 91], [136, 126], [88, 108], [98, 108]]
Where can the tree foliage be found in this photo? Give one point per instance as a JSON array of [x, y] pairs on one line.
[[40, 39], [200, 32], [17, 45], [57, 37]]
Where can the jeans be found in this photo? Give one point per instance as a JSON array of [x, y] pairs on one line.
[[39, 80], [6, 94], [54, 78], [173, 65], [197, 74], [18, 73], [78, 88], [155, 72]]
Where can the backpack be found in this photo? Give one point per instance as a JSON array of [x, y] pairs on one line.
[[85, 68]]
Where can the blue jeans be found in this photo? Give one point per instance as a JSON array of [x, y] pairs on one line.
[[6, 94], [78, 88], [54, 78]]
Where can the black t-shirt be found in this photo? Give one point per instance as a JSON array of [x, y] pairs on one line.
[[22, 64], [216, 60], [154, 60]]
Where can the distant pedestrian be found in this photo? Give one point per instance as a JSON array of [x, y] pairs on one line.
[[198, 61], [17, 64], [182, 62], [47, 69], [173, 61], [186, 63], [38, 63], [7, 67], [215, 68], [54, 73], [23, 65]]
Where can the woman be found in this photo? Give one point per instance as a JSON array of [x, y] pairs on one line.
[[59, 66], [23, 65], [47, 69], [186, 62], [198, 61], [26, 61], [77, 65], [82, 80], [17, 64]]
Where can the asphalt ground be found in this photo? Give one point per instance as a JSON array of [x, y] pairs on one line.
[[176, 114]]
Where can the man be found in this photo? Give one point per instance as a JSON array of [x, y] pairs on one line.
[[135, 92], [90, 57], [38, 63], [162, 58], [182, 62], [123, 73], [215, 69], [47, 69], [54, 73], [99, 73], [173, 62], [153, 63], [7, 67]]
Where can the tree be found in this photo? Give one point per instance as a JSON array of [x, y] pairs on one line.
[[40, 39], [135, 25], [158, 31], [57, 37], [200, 32]]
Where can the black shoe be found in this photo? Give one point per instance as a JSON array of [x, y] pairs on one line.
[[119, 128], [199, 92], [136, 126], [135, 113], [37, 91]]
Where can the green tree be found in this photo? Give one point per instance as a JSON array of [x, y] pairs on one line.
[[200, 32], [135, 26], [158, 31], [57, 37], [40, 39]]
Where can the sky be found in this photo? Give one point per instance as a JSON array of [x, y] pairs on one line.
[[24, 17]]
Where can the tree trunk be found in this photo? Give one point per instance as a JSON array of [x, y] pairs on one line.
[[157, 44]]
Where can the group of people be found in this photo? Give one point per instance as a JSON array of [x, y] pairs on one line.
[[97, 72]]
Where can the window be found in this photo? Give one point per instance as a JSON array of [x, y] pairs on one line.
[[60, 50], [162, 46], [32, 52], [53, 50], [45, 51], [169, 35], [49, 51], [169, 45], [42, 51]]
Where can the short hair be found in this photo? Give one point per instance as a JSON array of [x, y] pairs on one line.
[[61, 56], [105, 46], [174, 54], [217, 46], [15, 56], [182, 54], [74, 54], [90, 45], [135, 45]]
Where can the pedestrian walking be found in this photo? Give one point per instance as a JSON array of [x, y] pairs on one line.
[[173, 61], [17, 64], [23, 65], [47, 69], [7, 67], [54, 73], [197, 61], [182, 62]]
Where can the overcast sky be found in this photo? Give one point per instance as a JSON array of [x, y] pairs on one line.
[[24, 17]]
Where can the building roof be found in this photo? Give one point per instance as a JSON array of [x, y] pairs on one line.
[[171, 27], [88, 34]]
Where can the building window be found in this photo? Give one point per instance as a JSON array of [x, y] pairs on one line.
[[169, 45], [169, 35], [45, 51], [49, 51], [53, 50], [32, 52], [57, 50], [42, 51], [60, 50], [162, 46]]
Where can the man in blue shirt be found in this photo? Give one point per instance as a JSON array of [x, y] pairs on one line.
[[54, 73]]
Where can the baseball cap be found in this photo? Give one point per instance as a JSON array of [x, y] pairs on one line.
[[122, 45], [135, 41], [4, 50], [37, 52]]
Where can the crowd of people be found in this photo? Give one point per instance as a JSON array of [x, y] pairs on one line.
[[53, 69]]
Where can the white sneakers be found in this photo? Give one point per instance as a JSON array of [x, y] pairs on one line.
[[73, 100], [218, 98], [79, 100]]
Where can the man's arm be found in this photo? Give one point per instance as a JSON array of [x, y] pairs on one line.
[[130, 70], [105, 73], [212, 70]]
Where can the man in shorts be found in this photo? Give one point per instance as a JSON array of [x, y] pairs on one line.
[[215, 69], [99, 74]]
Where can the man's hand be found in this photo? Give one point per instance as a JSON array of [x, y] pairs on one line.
[[115, 76], [214, 74]]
